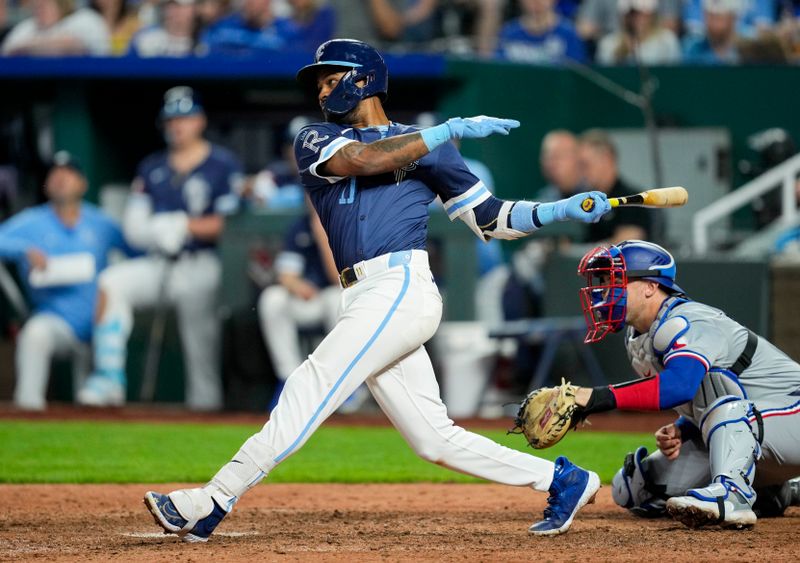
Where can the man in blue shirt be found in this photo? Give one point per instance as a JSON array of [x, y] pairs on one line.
[[540, 36], [59, 249], [718, 45], [253, 28], [371, 181], [176, 211]]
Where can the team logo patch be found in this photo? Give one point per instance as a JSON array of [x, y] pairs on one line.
[[587, 204], [400, 173], [312, 139]]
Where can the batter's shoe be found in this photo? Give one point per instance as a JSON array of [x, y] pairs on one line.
[[572, 488], [716, 504], [191, 514], [101, 391]]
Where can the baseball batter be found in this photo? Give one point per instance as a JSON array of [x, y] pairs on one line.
[[176, 211], [737, 395], [371, 181]]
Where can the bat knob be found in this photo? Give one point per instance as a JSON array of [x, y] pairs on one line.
[[587, 205]]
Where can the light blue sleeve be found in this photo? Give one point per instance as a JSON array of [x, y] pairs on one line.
[[16, 236]]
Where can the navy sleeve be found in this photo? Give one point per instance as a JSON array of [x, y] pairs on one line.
[[315, 145], [459, 189], [225, 193]]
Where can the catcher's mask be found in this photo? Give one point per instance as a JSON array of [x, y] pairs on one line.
[[608, 269]]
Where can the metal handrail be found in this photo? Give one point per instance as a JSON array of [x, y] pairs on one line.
[[784, 176]]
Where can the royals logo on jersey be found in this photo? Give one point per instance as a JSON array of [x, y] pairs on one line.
[[400, 173]]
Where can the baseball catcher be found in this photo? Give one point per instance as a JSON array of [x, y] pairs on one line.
[[737, 395]]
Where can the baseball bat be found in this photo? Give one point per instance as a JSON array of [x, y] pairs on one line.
[[675, 196]]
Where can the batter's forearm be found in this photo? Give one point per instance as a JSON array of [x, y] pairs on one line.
[[379, 157]]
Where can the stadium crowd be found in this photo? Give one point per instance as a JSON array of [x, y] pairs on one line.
[[607, 32]]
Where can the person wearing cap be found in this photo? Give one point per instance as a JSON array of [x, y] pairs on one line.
[[174, 35], [598, 18], [278, 185], [176, 212], [641, 39], [540, 35], [57, 28], [59, 249], [753, 17], [718, 45]]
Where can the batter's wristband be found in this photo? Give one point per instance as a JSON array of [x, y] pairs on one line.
[[435, 136], [548, 213], [521, 216]]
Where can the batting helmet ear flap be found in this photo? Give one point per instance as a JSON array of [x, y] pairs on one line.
[[347, 93]]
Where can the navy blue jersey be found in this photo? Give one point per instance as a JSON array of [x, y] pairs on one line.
[[300, 254], [209, 189], [368, 216]]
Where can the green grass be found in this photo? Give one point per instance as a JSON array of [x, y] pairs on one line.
[[103, 452]]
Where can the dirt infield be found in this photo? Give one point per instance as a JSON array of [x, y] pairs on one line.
[[364, 523]]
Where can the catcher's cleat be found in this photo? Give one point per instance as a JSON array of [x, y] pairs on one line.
[[572, 488], [794, 487], [715, 504], [198, 518]]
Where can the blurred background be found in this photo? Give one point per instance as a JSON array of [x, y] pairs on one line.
[[616, 95]]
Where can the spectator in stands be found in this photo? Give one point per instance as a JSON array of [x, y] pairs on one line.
[[753, 17], [311, 23], [788, 29], [641, 39], [598, 162], [60, 248], [57, 28], [386, 22], [598, 18], [558, 159], [306, 296], [174, 36], [254, 27], [718, 46], [122, 21], [278, 185], [210, 12], [540, 35]]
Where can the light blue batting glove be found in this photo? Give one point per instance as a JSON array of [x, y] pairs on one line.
[[466, 128], [586, 207], [480, 126]]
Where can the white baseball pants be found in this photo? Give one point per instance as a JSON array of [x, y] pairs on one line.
[[192, 283], [386, 318], [43, 337]]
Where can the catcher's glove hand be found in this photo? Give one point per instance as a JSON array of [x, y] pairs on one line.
[[547, 414]]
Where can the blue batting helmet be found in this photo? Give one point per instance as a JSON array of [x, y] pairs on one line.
[[363, 62], [180, 101], [608, 270]]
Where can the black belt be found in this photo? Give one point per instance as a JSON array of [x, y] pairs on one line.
[[348, 277], [746, 357]]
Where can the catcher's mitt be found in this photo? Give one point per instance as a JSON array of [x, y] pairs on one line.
[[547, 414]]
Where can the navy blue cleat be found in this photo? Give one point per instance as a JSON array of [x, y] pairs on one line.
[[190, 529], [572, 488]]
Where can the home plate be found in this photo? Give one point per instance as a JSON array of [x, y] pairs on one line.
[[161, 534]]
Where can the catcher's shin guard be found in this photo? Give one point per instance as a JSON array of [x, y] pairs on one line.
[[733, 452], [632, 488]]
